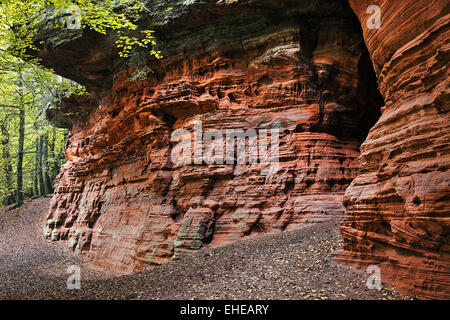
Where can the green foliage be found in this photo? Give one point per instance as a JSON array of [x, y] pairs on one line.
[[32, 90], [20, 21], [141, 74], [28, 90]]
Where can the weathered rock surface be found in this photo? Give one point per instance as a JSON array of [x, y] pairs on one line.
[[398, 207], [299, 65], [121, 198]]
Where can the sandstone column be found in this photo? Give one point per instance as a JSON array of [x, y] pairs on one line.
[[398, 207]]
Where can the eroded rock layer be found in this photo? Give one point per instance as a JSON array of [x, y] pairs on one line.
[[297, 66], [398, 207], [301, 66]]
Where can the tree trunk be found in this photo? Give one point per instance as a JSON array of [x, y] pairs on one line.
[[36, 171], [19, 196], [7, 167], [45, 175], [39, 169], [62, 155], [53, 161]]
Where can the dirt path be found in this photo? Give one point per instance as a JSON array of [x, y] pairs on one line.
[[290, 265]]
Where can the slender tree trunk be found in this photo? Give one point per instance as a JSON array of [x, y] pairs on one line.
[[45, 175], [62, 155], [53, 161], [6, 160], [19, 197], [39, 168], [36, 171]]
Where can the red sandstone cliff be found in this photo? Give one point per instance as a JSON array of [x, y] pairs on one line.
[[251, 64], [398, 206]]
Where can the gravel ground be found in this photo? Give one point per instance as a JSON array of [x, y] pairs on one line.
[[30, 265], [290, 265]]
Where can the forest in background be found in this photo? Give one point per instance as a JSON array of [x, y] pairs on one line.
[[32, 150]]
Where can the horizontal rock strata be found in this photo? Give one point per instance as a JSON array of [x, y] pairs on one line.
[[304, 71], [299, 67], [398, 208]]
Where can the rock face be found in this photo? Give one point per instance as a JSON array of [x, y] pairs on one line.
[[298, 66], [123, 200], [398, 207]]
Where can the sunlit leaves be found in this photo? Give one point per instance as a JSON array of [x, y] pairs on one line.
[[20, 21]]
